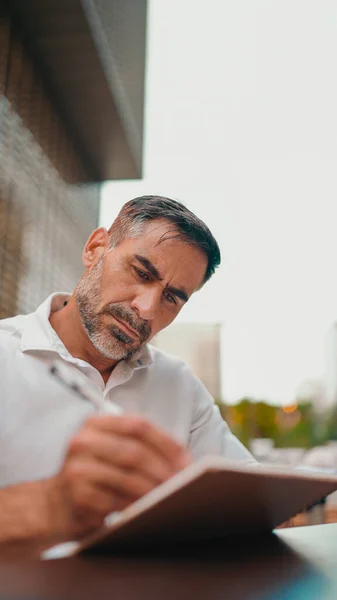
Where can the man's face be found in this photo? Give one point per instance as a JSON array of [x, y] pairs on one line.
[[137, 288]]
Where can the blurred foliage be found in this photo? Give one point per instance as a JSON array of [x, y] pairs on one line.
[[293, 426], [332, 425]]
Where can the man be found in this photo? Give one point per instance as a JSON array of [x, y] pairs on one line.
[[63, 468]]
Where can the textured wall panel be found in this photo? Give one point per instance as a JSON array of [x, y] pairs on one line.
[[92, 56], [45, 217]]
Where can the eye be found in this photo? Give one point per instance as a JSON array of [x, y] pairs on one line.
[[169, 297], [142, 275]]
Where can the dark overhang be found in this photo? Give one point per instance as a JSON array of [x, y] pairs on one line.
[[91, 54]]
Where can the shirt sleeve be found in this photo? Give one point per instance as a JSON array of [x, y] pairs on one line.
[[210, 434]]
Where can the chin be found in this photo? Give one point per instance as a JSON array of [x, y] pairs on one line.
[[116, 353]]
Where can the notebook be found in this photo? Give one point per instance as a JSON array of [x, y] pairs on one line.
[[211, 498]]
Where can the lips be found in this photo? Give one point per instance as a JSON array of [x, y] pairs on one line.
[[126, 328]]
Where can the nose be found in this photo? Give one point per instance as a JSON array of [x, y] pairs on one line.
[[146, 303]]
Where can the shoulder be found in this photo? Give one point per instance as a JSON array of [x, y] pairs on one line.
[[165, 363], [176, 379], [173, 370]]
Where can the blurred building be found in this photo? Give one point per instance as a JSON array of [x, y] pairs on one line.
[[198, 344], [71, 116]]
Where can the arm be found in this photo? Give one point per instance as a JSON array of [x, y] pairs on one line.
[[210, 434]]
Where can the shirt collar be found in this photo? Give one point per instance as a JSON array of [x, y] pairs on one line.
[[38, 334]]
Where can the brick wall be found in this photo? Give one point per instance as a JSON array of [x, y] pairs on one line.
[[46, 212]]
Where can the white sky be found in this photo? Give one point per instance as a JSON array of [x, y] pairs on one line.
[[241, 126]]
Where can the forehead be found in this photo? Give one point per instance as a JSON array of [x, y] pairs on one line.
[[176, 259]]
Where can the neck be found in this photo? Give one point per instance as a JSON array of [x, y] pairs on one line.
[[69, 328]]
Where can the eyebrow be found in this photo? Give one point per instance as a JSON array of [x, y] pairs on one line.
[[155, 273]]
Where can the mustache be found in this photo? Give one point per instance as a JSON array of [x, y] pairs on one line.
[[120, 312]]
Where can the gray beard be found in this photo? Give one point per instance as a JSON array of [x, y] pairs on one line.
[[109, 340]]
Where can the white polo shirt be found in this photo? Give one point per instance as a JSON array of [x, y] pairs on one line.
[[38, 415]]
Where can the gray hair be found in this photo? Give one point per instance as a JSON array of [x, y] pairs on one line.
[[135, 214]]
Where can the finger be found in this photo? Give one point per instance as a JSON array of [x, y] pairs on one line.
[[140, 428], [123, 452], [91, 504], [120, 486]]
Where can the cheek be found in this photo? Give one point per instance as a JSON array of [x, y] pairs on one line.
[[117, 285]]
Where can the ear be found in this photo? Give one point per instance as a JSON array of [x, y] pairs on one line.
[[95, 247]]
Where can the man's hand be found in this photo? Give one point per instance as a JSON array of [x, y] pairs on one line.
[[112, 461]]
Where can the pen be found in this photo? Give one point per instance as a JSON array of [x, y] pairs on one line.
[[78, 383]]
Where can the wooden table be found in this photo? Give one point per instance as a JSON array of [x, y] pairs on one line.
[[293, 564]]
